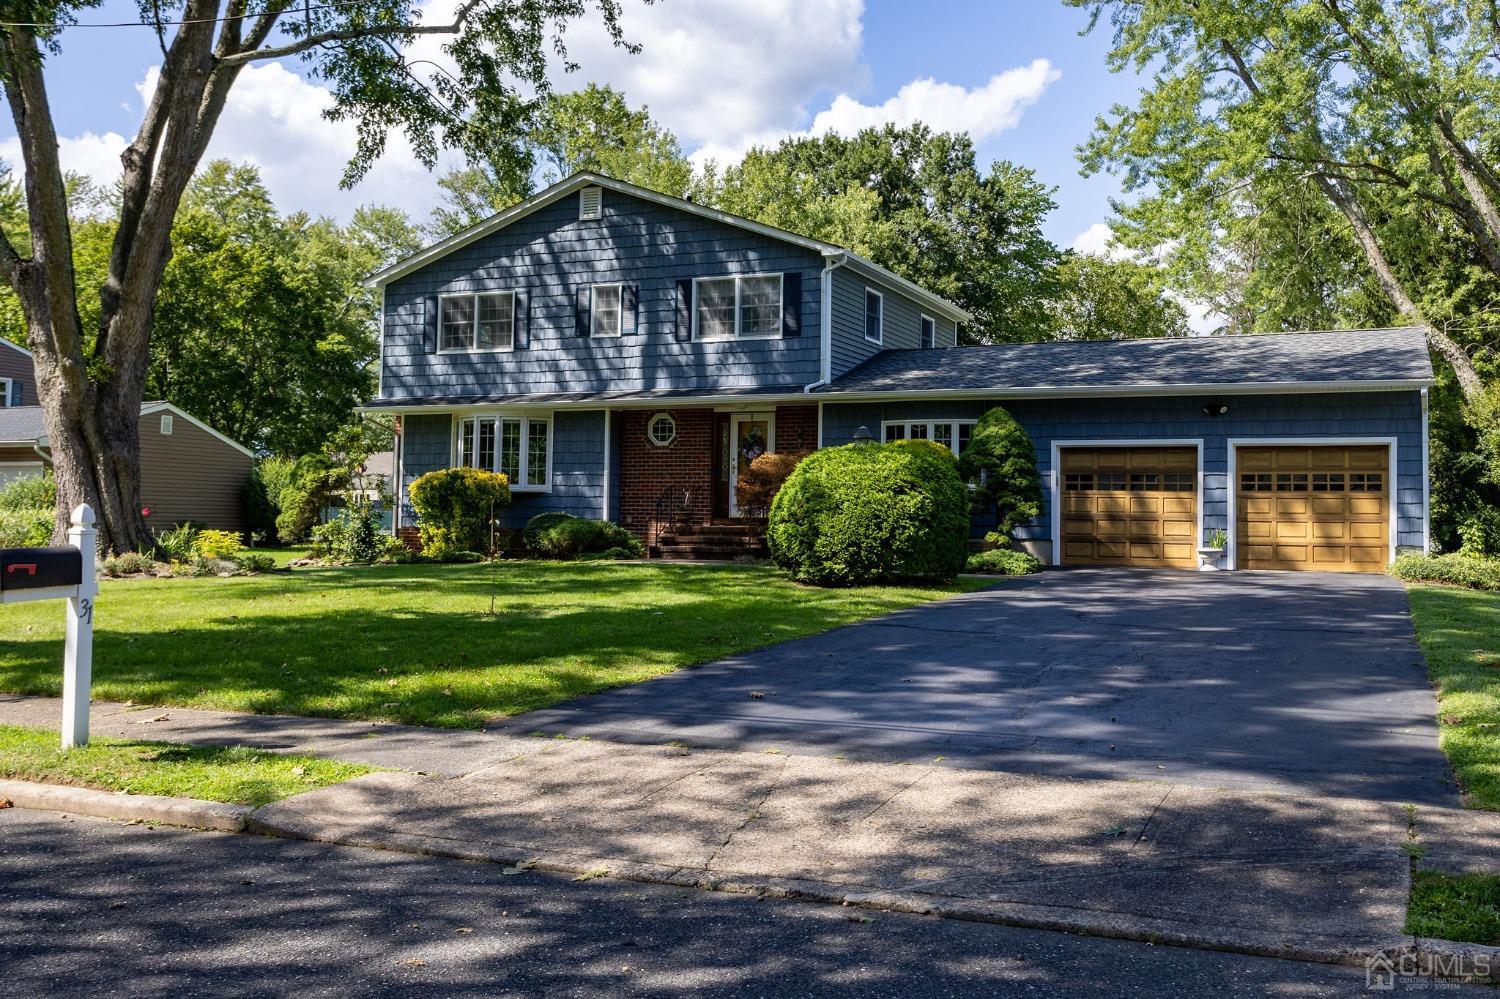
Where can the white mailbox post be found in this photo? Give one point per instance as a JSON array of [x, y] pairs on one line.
[[62, 573]]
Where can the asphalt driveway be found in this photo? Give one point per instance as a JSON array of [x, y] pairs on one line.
[[1288, 681]]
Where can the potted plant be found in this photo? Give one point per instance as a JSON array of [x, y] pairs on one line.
[[1211, 555], [683, 515]]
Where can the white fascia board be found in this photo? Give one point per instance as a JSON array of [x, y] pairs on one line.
[[15, 347]]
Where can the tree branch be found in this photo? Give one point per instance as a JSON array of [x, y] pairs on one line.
[[350, 34]]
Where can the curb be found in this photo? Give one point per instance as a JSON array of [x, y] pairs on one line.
[[189, 812], [1398, 950]]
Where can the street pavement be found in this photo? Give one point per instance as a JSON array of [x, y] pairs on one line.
[[89, 907]]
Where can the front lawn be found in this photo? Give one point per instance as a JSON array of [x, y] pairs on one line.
[[234, 774], [1462, 907], [1460, 635], [424, 644]]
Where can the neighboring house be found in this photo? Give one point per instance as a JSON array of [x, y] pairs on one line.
[[619, 353], [17, 379], [189, 471]]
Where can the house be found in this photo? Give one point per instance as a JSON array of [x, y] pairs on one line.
[[17, 382], [189, 471], [620, 354]]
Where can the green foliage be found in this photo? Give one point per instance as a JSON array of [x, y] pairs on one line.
[[531, 536], [217, 544], [456, 510], [575, 536], [871, 513], [1463, 907], [178, 541], [592, 129], [1000, 464], [915, 201], [1455, 570], [257, 507], [1003, 562], [314, 480], [1103, 299], [127, 564], [352, 536], [29, 492], [252, 564], [26, 526]]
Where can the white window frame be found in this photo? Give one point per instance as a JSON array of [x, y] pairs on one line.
[[906, 426], [5, 384], [457, 444], [474, 297], [653, 421], [864, 319], [922, 322], [619, 309], [739, 280]]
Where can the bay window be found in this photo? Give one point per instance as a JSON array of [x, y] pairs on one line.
[[518, 447], [952, 434]]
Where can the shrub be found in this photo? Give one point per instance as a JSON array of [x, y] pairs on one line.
[[25, 527], [252, 563], [609, 554], [127, 564], [531, 536], [1456, 570], [455, 507], [257, 506], [760, 482], [29, 493], [216, 544], [351, 537], [870, 513], [198, 565], [178, 542], [1000, 462], [577, 536], [312, 483], [1003, 562]]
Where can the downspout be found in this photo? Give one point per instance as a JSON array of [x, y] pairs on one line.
[[1426, 481], [825, 321]]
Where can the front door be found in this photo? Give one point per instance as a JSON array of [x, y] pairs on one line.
[[750, 436]]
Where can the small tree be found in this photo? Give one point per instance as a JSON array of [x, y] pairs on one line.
[[760, 482], [1000, 463]]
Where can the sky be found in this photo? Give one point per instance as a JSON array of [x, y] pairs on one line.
[[721, 74]]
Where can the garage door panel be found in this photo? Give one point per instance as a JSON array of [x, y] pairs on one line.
[[1322, 507], [1138, 507]]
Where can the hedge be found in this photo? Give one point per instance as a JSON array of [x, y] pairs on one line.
[[1456, 570], [573, 537], [872, 513]]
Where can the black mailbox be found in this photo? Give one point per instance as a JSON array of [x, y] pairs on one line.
[[40, 568]]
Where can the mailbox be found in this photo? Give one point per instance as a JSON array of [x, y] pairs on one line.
[[40, 568]]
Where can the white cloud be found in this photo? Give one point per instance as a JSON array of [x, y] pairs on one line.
[[1098, 240], [96, 156]]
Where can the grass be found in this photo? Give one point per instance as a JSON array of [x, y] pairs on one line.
[[1462, 907], [236, 774], [283, 555], [418, 643], [1460, 635]]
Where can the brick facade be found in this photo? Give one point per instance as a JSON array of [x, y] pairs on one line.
[[649, 473], [796, 429]]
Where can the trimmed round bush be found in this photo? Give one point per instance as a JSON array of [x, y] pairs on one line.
[[1003, 562], [454, 506], [573, 537], [542, 522], [872, 513]]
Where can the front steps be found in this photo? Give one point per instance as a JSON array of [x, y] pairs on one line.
[[718, 541]]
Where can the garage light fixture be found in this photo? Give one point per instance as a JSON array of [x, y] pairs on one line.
[[1215, 409]]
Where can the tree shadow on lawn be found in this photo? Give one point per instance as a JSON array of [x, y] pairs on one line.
[[385, 646]]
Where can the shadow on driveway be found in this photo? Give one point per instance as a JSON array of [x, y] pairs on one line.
[[1298, 682]]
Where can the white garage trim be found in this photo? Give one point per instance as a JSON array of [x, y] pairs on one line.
[[1054, 500], [1235, 443]]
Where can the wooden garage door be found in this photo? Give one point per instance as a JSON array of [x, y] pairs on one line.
[[1324, 508], [1130, 506]]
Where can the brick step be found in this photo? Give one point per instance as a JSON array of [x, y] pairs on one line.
[[694, 536], [707, 552]]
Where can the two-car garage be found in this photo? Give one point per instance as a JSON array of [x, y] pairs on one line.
[[1294, 506]]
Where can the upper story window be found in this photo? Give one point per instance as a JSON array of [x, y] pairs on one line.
[[929, 332], [952, 434], [5, 392], [518, 447], [477, 322], [737, 307], [874, 315], [604, 307]]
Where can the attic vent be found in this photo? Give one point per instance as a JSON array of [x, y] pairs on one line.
[[590, 202], [166, 424]]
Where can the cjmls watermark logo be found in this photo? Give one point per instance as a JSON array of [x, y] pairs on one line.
[[1424, 970]]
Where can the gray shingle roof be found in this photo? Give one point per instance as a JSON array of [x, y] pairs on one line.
[[21, 424], [1383, 355]]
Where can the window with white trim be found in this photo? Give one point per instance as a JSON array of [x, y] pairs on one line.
[[744, 308], [477, 322], [929, 333], [605, 310], [518, 447], [4, 392], [952, 434], [662, 430], [874, 315]]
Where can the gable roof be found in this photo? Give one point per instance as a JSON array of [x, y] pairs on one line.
[[1380, 358], [26, 424], [4, 343], [565, 187]]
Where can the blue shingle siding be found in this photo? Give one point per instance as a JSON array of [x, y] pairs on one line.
[[577, 465], [1354, 414], [902, 329], [549, 255]]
